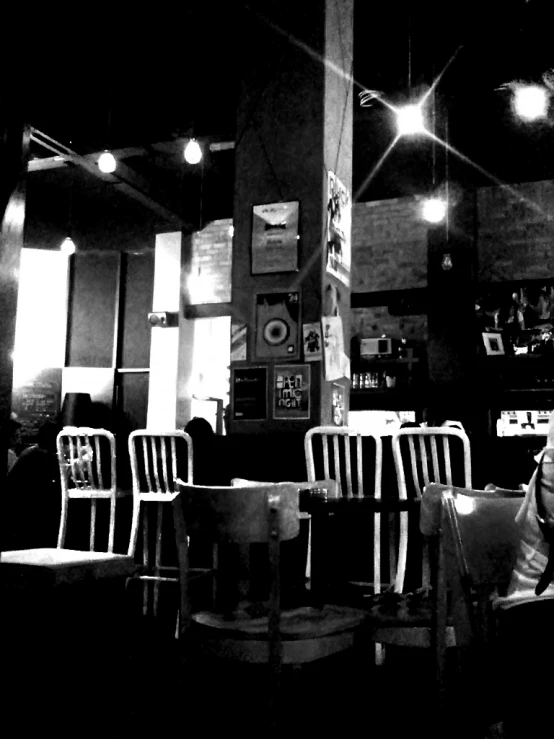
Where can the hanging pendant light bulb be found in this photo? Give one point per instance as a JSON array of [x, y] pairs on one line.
[[531, 102], [410, 120], [67, 246], [107, 162], [434, 209], [193, 152]]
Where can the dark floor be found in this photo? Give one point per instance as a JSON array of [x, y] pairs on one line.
[[105, 670]]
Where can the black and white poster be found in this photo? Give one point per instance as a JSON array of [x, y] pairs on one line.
[[275, 238], [339, 227], [249, 393], [278, 325]]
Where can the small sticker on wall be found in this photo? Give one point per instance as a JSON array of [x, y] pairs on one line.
[[339, 404], [311, 333], [238, 341]]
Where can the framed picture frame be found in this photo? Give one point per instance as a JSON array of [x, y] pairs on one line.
[[291, 391], [249, 393], [274, 243], [278, 327], [494, 346]]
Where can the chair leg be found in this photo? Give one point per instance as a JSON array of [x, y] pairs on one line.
[[158, 557], [275, 699], [145, 561]]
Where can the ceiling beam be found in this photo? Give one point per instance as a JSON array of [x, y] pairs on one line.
[[124, 178], [165, 147]]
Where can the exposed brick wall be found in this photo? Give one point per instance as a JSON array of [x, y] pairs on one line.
[[372, 322], [515, 232], [515, 241], [210, 274], [389, 252], [389, 246]]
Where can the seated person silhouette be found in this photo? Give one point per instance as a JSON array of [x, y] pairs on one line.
[[209, 460], [32, 504]]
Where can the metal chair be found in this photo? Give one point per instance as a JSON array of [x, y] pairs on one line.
[[157, 459], [338, 453], [402, 602], [87, 461], [422, 455]]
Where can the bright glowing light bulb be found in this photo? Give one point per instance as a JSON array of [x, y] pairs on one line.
[[434, 210], [410, 120], [107, 162], [530, 102], [67, 246], [193, 152]]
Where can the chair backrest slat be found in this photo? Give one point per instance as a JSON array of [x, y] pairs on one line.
[[238, 514], [435, 456], [360, 467]]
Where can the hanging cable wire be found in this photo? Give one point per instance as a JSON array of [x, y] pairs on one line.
[[446, 174], [349, 88], [409, 55]]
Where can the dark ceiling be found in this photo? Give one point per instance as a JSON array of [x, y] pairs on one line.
[[140, 83]]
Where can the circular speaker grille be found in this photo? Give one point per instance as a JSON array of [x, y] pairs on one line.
[[276, 332]]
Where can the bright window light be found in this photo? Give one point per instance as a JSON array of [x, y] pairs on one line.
[[40, 331], [530, 102], [434, 210], [107, 162], [193, 152], [410, 120]]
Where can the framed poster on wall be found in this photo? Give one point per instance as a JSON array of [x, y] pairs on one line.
[[291, 391], [278, 334], [249, 393], [275, 238], [339, 226]]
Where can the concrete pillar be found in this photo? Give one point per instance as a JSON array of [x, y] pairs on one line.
[[14, 148], [294, 137], [164, 348]]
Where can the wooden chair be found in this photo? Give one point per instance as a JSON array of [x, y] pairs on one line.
[[157, 459], [479, 542], [87, 460], [242, 630]]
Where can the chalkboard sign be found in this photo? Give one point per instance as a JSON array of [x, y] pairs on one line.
[[37, 400], [249, 393]]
